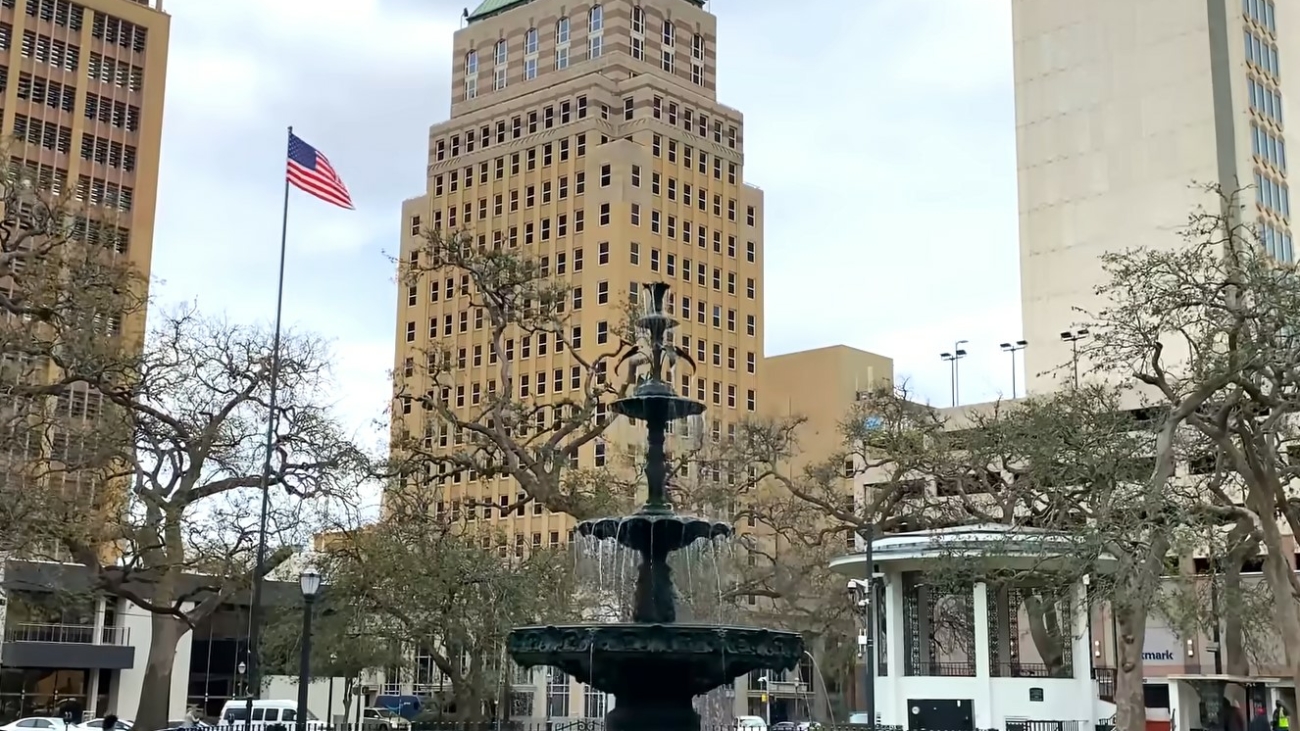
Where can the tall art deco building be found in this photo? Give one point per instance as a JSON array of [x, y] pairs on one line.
[[81, 104], [590, 137]]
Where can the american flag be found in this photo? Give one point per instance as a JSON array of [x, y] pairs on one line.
[[310, 171]]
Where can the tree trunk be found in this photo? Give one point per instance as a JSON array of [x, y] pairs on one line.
[[1233, 641], [1130, 701], [1278, 572], [1045, 630], [156, 689], [349, 686]]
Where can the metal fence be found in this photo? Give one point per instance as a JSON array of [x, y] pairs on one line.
[[67, 634], [374, 724]]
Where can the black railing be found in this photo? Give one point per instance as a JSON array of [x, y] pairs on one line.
[[1106, 679], [942, 669], [1030, 670], [573, 724], [1033, 725]]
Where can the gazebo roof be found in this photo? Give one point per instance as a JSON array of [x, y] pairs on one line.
[[1015, 547]]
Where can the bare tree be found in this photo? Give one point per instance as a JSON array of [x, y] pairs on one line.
[[434, 586], [171, 459], [481, 412], [67, 290], [1208, 328]]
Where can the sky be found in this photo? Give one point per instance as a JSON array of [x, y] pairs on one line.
[[890, 188]]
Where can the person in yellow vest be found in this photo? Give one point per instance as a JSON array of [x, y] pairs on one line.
[[1280, 719]]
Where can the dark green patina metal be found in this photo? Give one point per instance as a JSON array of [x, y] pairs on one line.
[[653, 666]]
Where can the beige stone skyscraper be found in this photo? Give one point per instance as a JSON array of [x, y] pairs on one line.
[[1121, 107], [590, 136]]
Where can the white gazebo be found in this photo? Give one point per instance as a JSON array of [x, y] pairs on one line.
[[980, 679]]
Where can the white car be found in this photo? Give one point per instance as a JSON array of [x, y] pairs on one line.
[[97, 724], [37, 722], [750, 723]]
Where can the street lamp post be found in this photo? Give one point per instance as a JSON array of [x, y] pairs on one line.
[[1012, 349], [952, 357], [861, 594], [309, 582], [1073, 337], [240, 669], [329, 704]]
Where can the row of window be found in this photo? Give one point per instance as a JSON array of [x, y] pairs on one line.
[[595, 48], [564, 112], [1262, 54], [43, 91], [107, 28], [1272, 195], [60, 12], [1277, 242], [668, 51], [50, 51], [115, 31], [1261, 12], [529, 159], [1269, 147], [55, 137], [547, 117], [691, 121], [702, 316], [108, 70], [1265, 100], [115, 113]]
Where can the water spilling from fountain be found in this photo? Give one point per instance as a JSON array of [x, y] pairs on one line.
[[652, 665]]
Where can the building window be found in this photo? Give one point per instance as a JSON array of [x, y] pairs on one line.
[[530, 54], [595, 26], [471, 74], [499, 71], [562, 44]]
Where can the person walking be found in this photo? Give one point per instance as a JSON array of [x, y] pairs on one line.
[[1280, 719]]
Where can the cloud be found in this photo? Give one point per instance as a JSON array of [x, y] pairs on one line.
[[882, 134]]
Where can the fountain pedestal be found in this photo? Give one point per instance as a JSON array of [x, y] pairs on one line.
[[652, 666]]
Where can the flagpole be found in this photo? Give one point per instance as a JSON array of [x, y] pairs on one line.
[[255, 609]]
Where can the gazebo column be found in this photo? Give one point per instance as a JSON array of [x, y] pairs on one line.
[[983, 702], [895, 654], [1082, 651], [1002, 605]]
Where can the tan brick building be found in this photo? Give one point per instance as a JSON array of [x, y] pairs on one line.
[[590, 136]]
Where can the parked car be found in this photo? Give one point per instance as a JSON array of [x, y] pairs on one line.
[[750, 723], [36, 722], [385, 715], [266, 713], [97, 724]]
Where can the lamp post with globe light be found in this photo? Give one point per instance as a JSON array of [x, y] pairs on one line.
[[309, 582]]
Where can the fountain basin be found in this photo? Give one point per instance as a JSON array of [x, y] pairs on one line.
[[657, 533], [643, 661]]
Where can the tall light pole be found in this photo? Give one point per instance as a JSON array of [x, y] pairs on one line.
[[861, 593], [309, 582], [1073, 337], [952, 357], [1012, 349]]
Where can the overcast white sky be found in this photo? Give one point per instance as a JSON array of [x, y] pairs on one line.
[[891, 198]]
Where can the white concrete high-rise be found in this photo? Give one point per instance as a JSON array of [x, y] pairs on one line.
[[1122, 108]]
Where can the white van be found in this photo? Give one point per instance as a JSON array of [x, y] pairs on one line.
[[266, 713]]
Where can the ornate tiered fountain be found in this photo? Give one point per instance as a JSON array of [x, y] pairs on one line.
[[653, 666]]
